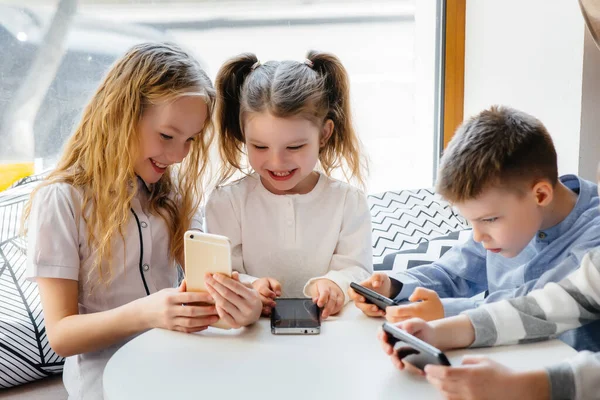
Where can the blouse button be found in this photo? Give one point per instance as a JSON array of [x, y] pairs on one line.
[[146, 267], [144, 224]]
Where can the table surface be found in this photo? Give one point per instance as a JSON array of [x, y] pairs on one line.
[[344, 361]]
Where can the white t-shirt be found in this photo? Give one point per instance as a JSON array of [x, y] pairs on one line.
[[57, 248], [295, 238]]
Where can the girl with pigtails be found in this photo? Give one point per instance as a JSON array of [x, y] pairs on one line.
[[295, 231]]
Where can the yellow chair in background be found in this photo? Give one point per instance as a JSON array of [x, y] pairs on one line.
[[10, 173]]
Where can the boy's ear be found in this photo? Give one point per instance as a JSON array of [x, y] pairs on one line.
[[543, 192], [326, 132]]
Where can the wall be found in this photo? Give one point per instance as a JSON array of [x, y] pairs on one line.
[[533, 55]]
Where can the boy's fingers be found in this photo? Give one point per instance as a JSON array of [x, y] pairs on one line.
[[370, 309], [405, 311], [473, 360], [423, 294]]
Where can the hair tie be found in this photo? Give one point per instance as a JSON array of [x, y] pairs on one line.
[[255, 65], [309, 63]]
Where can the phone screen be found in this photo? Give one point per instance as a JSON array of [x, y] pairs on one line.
[[295, 313]]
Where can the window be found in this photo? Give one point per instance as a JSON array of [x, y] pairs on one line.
[[391, 49]]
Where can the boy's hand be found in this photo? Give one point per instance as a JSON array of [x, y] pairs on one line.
[[426, 305], [268, 289], [481, 378], [378, 282], [327, 295], [416, 327]]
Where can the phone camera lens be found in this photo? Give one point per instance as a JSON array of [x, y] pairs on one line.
[[191, 236]]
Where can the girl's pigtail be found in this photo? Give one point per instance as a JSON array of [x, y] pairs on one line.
[[343, 148], [229, 83]]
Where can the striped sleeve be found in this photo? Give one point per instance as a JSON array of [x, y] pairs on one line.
[[545, 313]]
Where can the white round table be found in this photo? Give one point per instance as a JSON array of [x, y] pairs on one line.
[[344, 362]]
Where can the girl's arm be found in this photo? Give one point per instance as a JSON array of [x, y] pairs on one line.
[[353, 257], [70, 333]]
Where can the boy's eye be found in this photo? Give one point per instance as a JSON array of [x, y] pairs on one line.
[[295, 147], [191, 139], [166, 137], [259, 147], [490, 219]]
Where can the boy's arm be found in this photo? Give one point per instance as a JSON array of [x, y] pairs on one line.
[[543, 313], [460, 272], [222, 218], [454, 306], [353, 257]]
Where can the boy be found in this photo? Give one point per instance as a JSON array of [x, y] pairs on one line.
[[529, 226], [541, 314]]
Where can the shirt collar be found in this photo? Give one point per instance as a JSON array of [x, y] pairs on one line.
[[585, 191]]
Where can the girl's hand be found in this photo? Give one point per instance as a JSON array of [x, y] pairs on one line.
[[416, 327], [178, 310], [327, 295], [268, 289], [236, 303]]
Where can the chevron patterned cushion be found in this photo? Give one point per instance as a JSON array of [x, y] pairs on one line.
[[402, 220], [25, 354], [424, 253]]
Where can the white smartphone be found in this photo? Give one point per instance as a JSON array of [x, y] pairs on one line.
[[205, 252]]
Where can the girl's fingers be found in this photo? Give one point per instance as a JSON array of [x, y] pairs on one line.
[[266, 311], [323, 297], [194, 311], [275, 286], [224, 301], [190, 297], [330, 305], [234, 286], [267, 301], [227, 317], [195, 323], [266, 292]]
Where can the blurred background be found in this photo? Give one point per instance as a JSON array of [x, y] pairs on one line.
[[55, 52]]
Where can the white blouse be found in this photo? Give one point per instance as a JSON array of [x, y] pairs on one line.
[[57, 248], [295, 239]]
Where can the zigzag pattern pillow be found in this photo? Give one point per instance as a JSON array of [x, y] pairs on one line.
[[402, 220], [425, 253], [25, 354]]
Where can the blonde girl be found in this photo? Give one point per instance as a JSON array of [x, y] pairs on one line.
[[295, 230], [106, 228]]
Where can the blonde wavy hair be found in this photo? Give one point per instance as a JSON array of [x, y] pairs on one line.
[[99, 158], [317, 89]]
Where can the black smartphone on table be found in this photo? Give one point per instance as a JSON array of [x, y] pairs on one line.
[[373, 297], [295, 317], [412, 349]]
